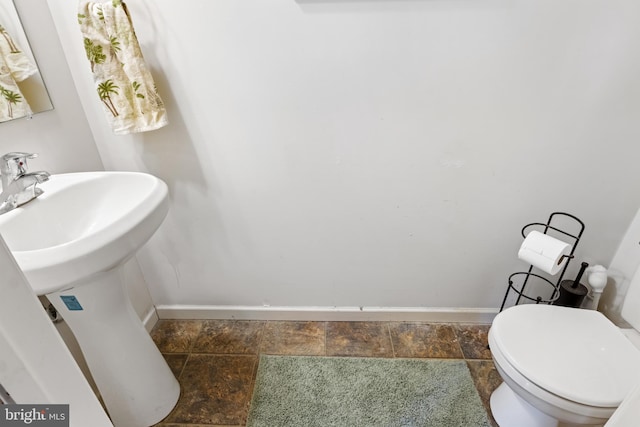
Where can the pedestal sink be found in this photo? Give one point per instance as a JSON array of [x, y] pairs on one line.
[[71, 243]]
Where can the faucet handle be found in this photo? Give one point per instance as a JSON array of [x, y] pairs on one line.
[[19, 154], [15, 163]]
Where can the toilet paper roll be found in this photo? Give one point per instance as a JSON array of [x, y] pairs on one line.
[[544, 252]]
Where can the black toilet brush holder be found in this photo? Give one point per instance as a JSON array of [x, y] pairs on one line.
[[572, 292]]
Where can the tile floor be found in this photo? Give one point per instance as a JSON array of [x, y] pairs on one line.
[[215, 361]]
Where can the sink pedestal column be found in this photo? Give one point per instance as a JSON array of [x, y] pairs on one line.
[[135, 382]]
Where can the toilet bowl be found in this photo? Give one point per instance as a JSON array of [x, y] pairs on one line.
[[564, 366], [561, 366]]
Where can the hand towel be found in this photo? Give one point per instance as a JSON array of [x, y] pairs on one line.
[[123, 81], [15, 67]]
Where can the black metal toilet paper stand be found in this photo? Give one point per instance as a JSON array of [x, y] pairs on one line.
[[524, 276]]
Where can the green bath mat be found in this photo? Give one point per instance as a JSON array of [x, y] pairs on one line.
[[358, 392]]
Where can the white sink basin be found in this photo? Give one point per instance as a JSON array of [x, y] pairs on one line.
[[71, 242], [83, 224]]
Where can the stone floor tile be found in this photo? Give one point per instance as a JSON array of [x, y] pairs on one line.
[[176, 362], [473, 340], [215, 390], [229, 337], [294, 338], [424, 340], [175, 336], [365, 339]]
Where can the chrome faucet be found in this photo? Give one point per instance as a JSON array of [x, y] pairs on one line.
[[18, 185]]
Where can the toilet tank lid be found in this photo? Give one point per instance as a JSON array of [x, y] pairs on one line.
[[574, 353]]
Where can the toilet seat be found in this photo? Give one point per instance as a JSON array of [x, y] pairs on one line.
[[545, 401], [571, 356]]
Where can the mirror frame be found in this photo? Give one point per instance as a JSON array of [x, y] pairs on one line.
[[32, 88]]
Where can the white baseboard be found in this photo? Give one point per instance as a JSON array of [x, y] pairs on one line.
[[415, 314], [150, 319]]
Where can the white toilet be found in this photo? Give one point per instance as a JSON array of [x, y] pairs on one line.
[[563, 366]]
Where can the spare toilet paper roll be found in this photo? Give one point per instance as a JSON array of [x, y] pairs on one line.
[[544, 252]]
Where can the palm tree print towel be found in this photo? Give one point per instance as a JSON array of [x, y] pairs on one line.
[[123, 82], [15, 67]]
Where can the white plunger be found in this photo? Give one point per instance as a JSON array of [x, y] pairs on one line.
[[597, 278]]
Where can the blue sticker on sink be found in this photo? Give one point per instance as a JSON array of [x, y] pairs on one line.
[[71, 302]]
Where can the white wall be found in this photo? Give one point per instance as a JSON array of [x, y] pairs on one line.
[[375, 153]]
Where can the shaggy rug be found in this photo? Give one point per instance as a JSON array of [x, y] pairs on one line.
[[306, 391]]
